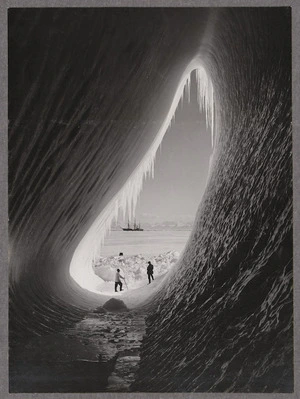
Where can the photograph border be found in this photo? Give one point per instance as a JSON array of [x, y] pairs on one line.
[[4, 6]]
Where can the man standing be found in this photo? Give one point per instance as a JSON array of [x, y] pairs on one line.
[[150, 271], [118, 281]]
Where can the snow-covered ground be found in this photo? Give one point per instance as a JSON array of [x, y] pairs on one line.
[[133, 268]]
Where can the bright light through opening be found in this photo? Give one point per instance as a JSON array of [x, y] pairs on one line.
[[81, 269]]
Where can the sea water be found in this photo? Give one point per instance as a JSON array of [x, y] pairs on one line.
[[144, 242]]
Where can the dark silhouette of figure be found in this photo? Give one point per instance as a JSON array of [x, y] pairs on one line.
[[150, 271], [118, 281]]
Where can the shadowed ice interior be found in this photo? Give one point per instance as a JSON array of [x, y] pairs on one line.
[[85, 86]]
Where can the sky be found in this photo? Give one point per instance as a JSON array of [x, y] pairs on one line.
[[181, 169]]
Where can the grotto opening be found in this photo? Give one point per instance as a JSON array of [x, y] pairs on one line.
[[85, 80]]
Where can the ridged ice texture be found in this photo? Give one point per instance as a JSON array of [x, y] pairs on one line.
[[126, 199], [79, 126], [223, 320]]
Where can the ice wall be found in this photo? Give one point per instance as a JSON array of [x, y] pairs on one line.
[[79, 128], [225, 322]]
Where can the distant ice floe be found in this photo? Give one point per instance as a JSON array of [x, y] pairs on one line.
[[89, 249]]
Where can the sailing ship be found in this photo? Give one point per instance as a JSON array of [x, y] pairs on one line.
[[136, 227]]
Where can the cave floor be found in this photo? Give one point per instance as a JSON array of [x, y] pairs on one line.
[[98, 354]]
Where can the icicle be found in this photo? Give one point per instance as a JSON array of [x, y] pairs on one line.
[[126, 199]]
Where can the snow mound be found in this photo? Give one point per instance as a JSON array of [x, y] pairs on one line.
[[115, 305]]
